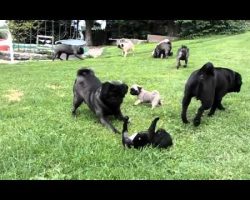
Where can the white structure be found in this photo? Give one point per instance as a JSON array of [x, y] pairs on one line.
[[6, 39], [82, 26]]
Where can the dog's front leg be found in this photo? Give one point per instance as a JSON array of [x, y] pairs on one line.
[[216, 104], [186, 62], [54, 56], [137, 102], [119, 115], [125, 54], [107, 123], [220, 106], [178, 63], [78, 56]]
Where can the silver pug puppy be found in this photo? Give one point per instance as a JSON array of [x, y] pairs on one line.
[[103, 99]]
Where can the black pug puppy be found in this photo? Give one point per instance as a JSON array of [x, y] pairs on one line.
[[163, 50], [102, 98], [159, 138], [209, 85], [75, 50], [182, 54]]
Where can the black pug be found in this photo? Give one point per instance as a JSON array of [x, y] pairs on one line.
[[209, 85], [103, 99], [163, 50], [75, 50], [182, 54], [159, 138]]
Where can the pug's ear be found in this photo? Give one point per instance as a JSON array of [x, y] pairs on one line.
[[238, 78], [105, 88]]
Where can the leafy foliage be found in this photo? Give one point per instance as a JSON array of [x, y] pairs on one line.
[[194, 28]]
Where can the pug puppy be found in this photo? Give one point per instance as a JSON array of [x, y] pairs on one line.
[[126, 46], [163, 49], [209, 84], [182, 54], [104, 99], [160, 138], [145, 96]]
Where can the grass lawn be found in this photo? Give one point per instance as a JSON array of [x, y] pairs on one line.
[[39, 139]]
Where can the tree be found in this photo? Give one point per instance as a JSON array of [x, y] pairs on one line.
[[88, 32], [21, 29], [193, 28]]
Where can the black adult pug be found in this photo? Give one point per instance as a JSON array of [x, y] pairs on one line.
[[102, 98], [75, 50], [160, 138], [209, 85]]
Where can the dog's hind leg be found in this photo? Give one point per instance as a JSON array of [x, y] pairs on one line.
[[155, 102], [59, 56], [197, 119], [185, 103], [76, 103], [204, 106], [67, 56], [151, 129]]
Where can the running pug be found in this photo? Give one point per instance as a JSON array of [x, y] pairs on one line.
[[145, 96], [126, 46]]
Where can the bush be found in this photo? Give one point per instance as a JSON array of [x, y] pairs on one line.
[[196, 28]]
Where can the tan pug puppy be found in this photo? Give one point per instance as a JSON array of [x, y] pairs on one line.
[[126, 45], [146, 96]]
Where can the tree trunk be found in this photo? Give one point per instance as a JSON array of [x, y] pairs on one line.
[[88, 33], [172, 28]]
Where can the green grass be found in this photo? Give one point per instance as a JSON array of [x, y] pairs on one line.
[[39, 139]]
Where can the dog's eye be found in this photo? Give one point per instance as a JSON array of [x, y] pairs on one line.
[[139, 138]]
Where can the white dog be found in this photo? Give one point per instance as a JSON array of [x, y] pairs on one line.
[[146, 96]]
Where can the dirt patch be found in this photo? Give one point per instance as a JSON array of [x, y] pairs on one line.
[[14, 95], [8, 62], [95, 51]]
